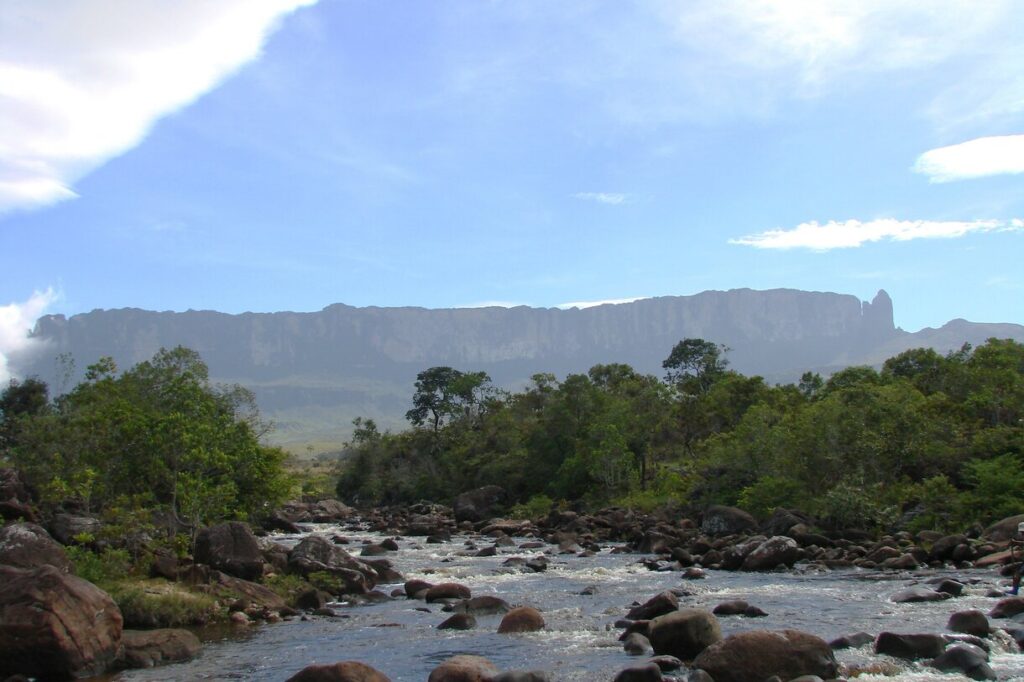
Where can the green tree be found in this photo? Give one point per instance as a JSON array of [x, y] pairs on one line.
[[695, 364]]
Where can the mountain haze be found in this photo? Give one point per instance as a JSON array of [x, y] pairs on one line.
[[313, 372]]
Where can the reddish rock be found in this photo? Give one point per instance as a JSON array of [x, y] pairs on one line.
[[345, 671], [26, 545], [522, 619], [755, 656], [54, 625], [230, 547], [448, 591], [684, 633], [150, 648], [463, 669]]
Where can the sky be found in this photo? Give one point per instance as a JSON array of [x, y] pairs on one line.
[[264, 155]]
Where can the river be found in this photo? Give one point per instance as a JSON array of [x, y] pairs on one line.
[[401, 639]]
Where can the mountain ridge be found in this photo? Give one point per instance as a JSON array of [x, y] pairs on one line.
[[312, 372]]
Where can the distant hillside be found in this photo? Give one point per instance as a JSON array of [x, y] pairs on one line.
[[313, 372]]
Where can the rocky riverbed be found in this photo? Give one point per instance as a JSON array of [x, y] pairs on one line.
[[584, 597]]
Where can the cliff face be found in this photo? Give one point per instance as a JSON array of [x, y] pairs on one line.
[[314, 371]]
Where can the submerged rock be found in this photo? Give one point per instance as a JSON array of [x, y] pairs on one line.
[[151, 648], [345, 671]]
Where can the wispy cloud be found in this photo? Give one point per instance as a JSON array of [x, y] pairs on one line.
[[613, 198], [16, 321], [848, 234], [83, 82], [582, 305], [973, 159]]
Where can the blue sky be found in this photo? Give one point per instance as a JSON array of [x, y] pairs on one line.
[[288, 154]]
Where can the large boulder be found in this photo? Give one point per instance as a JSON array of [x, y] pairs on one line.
[[150, 648], [782, 521], [967, 660], [755, 656], [26, 545], [316, 553], [345, 671], [972, 622], [463, 668], [480, 504], [774, 551], [521, 619], [721, 520], [447, 591], [684, 633], [327, 511], [944, 547], [910, 647], [66, 528], [230, 547], [1001, 531], [1007, 608], [484, 605], [54, 625], [13, 486]]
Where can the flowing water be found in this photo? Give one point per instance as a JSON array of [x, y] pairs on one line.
[[580, 642]]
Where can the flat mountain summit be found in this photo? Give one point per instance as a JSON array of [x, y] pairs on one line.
[[313, 372]]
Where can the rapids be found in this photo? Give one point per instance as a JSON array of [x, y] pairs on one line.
[[400, 638]]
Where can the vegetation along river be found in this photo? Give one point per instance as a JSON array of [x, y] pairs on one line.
[[580, 641]]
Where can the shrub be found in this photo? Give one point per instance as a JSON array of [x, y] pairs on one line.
[[100, 568], [147, 607], [534, 508]]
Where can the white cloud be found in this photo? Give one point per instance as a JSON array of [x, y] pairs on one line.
[[613, 198], [973, 159], [82, 81], [16, 321], [582, 305], [853, 233]]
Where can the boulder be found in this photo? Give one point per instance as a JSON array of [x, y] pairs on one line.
[[521, 619], [485, 605], [721, 520], [480, 504], [738, 607], [230, 547], [26, 545], [857, 639], [151, 648], [316, 553], [254, 593], [13, 486], [658, 605], [1001, 531], [919, 593], [326, 511], [684, 633], [463, 668], [636, 644], [65, 527], [444, 591], [460, 621], [909, 647], [16, 510], [649, 672], [951, 587], [415, 587], [521, 676], [774, 551], [757, 655], [54, 625], [965, 659], [782, 521], [1007, 608], [972, 622], [345, 671], [942, 549]]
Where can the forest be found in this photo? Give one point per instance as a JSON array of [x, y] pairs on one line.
[[929, 441]]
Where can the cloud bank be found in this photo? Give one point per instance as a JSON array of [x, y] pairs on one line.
[[848, 234], [16, 321], [83, 81], [973, 159]]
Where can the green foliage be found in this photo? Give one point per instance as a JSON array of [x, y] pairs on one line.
[[287, 586], [996, 488], [329, 583], [160, 435], [770, 493], [102, 568], [536, 507], [941, 436]]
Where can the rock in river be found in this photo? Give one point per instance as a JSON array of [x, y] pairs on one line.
[[755, 656]]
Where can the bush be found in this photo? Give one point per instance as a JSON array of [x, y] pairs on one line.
[[145, 606], [288, 587], [534, 508], [997, 487], [849, 505], [769, 493], [100, 568]]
